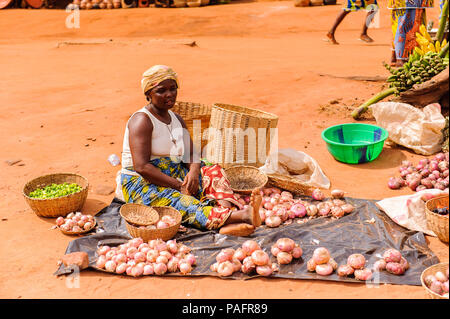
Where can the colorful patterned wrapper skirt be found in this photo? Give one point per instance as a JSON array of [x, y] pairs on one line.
[[356, 5], [200, 210]]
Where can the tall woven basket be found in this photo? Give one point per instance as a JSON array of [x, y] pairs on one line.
[[230, 142], [197, 117], [437, 223], [60, 206]]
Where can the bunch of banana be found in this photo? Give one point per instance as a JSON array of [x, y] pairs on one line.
[[426, 43], [417, 70]]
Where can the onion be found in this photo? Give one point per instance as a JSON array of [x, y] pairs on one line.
[[262, 215], [363, 274], [347, 208], [273, 221], [311, 210], [298, 209], [139, 256], [185, 268], [443, 166], [434, 166], [60, 221], [236, 264], [429, 280], [324, 211], [337, 193], [321, 255], [274, 250], [214, 267], [404, 263], [445, 287], [311, 265], [356, 261], [160, 245], [338, 202], [337, 212], [394, 183], [427, 183], [379, 265], [317, 194], [436, 286], [128, 271], [121, 268], [159, 268], [345, 270], [103, 250], [324, 269], [225, 269], [282, 213], [162, 225], [137, 271], [110, 266], [284, 258], [239, 254], [413, 183], [190, 258], [440, 276], [152, 254], [333, 263], [101, 261], [121, 258], [297, 252], [183, 249], [135, 242], [285, 244], [162, 260], [131, 252], [172, 247], [249, 246], [223, 256], [110, 254], [148, 270], [264, 270], [247, 266], [395, 268], [392, 255], [421, 188], [260, 258]]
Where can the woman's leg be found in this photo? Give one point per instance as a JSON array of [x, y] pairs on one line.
[[338, 21], [367, 21]]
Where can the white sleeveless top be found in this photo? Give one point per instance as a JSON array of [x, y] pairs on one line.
[[167, 139]]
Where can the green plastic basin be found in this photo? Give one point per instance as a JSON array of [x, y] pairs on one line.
[[355, 143]]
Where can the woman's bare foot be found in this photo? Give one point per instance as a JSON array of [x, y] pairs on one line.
[[240, 229], [399, 63], [255, 203], [366, 38], [330, 36]]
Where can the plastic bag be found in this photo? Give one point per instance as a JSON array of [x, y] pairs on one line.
[[298, 165], [409, 210], [416, 129], [119, 193]]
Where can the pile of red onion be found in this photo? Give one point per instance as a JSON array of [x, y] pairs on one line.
[[280, 206], [393, 262], [248, 259], [165, 221], [136, 258], [355, 266], [438, 283], [321, 262], [428, 173], [75, 222], [285, 250]]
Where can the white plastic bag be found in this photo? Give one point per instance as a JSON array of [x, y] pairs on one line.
[[416, 129], [409, 210], [298, 165]]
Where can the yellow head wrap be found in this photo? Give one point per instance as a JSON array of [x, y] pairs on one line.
[[155, 75]]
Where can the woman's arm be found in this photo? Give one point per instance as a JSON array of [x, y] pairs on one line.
[[140, 130]]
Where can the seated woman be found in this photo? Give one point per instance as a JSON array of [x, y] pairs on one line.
[[156, 171]]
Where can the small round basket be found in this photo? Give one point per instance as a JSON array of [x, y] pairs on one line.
[[153, 233], [139, 214], [437, 223], [59, 206], [244, 179], [431, 271], [78, 233]]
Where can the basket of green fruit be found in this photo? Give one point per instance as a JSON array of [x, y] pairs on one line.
[[56, 195]]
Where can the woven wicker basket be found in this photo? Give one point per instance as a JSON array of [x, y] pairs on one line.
[[223, 143], [289, 184], [197, 117], [431, 271], [164, 234], [60, 206], [139, 214], [244, 179], [78, 233], [437, 223]]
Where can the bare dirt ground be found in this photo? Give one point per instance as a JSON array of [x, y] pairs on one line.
[[66, 95]]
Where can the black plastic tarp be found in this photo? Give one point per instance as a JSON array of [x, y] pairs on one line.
[[367, 231]]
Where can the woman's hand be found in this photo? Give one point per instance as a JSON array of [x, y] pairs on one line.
[[191, 183]]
